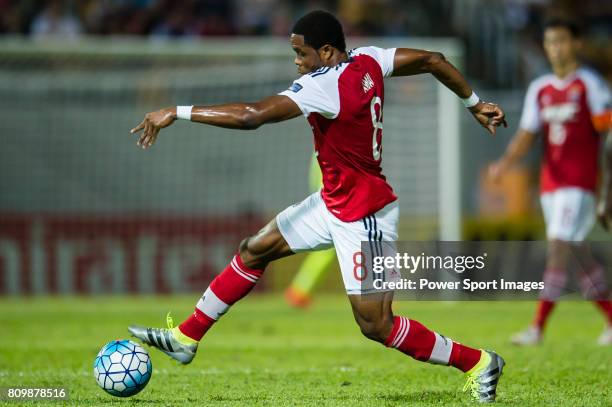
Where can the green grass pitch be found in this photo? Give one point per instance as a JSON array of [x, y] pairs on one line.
[[263, 353]]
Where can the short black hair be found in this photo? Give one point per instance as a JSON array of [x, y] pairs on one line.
[[557, 22], [320, 28]]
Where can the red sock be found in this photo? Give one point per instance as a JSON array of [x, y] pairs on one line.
[[196, 325], [543, 311], [231, 285], [415, 340], [606, 308]]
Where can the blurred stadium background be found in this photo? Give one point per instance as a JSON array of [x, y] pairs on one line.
[[83, 210]]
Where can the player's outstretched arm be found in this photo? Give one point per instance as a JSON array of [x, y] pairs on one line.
[[409, 62], [516, 150], [244, 116]]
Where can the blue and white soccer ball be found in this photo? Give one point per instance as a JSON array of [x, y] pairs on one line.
[[122, 368]]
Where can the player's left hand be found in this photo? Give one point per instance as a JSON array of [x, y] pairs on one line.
[[604, 211], [489, 115], [152, 124]]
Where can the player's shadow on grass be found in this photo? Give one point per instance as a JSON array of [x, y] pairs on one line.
[[429, 396], [441, 398]]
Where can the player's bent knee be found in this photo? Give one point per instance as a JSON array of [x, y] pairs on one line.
[[243, 247], [250, 252], [265, 246], [255, 246], [376, 330]]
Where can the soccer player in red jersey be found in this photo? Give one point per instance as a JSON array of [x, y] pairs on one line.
[[341, 94], [571, 108]]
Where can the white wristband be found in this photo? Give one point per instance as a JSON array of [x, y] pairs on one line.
[[183, 112], [471, 101]]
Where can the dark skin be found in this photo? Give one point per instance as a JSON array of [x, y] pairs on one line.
[[373, 313]]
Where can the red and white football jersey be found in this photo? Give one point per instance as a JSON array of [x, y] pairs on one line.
[[564, 111], [344, 107]]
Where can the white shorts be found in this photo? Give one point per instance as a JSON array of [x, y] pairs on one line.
[[309, 225], [569, 214]]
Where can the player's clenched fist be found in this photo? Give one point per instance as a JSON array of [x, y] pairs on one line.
[[489, 115], [152, 124]]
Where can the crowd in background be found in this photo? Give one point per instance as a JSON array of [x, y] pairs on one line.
[[263, 17], [186, 18], [485, 26]]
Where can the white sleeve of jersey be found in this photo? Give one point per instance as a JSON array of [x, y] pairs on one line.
[[311, 98], [530, 118], [384, 57], [598, 92]]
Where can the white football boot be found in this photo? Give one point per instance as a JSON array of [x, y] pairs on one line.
[[529, 337], [605, 338]]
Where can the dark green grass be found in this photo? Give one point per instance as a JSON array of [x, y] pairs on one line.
[[263, 353]]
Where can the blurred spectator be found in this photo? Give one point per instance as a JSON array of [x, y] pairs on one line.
[[254, 16], [11, 18], [215, 17], [282, 21], [176, 21], [56, 20]]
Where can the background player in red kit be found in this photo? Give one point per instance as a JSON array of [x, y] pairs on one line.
[[342, 96], [571, 107]]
